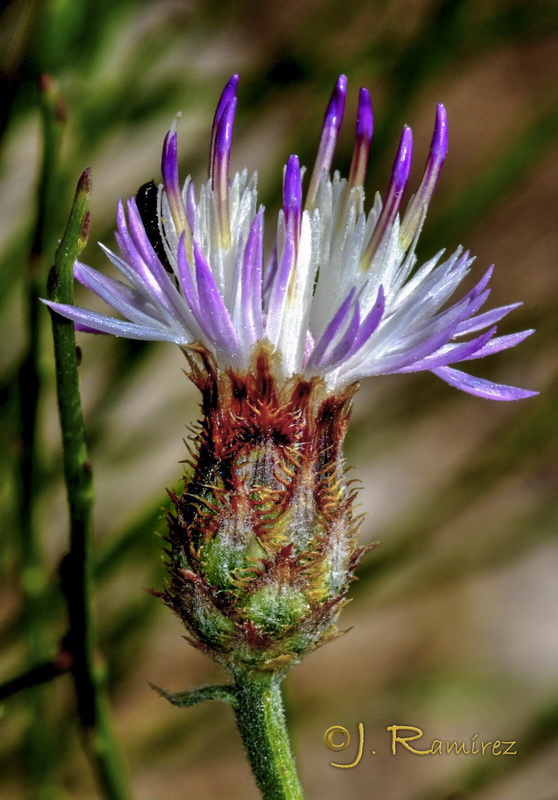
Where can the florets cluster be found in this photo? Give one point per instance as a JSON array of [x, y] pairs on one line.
[[339, 296]]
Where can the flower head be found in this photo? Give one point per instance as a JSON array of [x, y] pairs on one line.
[[340, 295], [263, 538]]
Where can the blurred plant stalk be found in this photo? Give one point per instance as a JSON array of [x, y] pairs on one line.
[[77, 568]]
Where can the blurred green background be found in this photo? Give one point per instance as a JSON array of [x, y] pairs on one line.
[[455, 615]]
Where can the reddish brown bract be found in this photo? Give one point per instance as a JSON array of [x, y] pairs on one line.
[[263, 538]]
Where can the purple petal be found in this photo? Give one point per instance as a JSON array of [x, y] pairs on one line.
[[228, 94], [482, 284], [438, 152], [488, 318], [171, 180], [459, 311], [369, 323], [252, 277], [223, 143], [331, 331], [395, 362], [330, 131], [86, 329], [345, 344], [186, 279], [292, 196], [498, 344], [134, 274], [451, 353], [99, 323], [278, 290], [363, 137], [141, 251], [169, 164], [468, 305], [398, 183], [214, 318], [465, 308], [402, 166], [439, 143], [220, 168], [124, 299], [133, 266], [481, 387]]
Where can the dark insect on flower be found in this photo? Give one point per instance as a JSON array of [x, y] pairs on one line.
[[147, 199]]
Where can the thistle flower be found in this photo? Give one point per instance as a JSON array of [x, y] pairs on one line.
[[263, 538], [339, 296]]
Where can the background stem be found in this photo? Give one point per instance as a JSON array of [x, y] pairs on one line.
[[261, 721], [77, 567]]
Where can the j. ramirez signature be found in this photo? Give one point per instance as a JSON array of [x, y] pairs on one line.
[[338, 738]]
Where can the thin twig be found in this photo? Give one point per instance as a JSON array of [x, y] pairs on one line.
[[36, 676], [77, 567]]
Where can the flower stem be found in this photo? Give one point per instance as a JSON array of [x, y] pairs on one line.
[[261, 721], [77, 567]]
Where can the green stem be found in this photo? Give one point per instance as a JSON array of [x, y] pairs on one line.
[[77, 568], [261, 721]]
